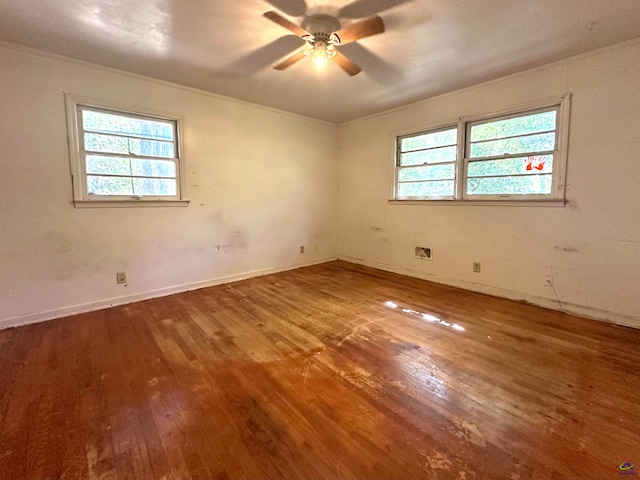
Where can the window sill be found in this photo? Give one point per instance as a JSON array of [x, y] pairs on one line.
[[505, 203], [129, 203]]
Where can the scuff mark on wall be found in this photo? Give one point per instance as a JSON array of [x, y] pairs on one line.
[[569, 249], [238, 240]]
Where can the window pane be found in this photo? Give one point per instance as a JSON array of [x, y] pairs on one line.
[[538, 122], [94, 142], [443, 188], [512, 166], [153, 168], [438, 155], [104, 143], [429, 140], [150, 148], [109, 185], [437, 172], [110, 123], [108, 165], [533, 143], [534, 184], [154, 186]]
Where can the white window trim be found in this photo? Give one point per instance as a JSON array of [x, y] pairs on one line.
[[397, 167], [76, 161], [555, 199]]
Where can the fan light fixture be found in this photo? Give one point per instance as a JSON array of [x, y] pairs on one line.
[[322, 41], [323, 34], [320, 48]]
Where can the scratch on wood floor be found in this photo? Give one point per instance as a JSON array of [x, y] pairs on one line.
[[468, 431], [306, 371], [439, 461], [92, 461], [391, 413], [354, 331]]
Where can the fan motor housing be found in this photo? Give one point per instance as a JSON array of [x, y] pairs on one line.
[[321, 25]]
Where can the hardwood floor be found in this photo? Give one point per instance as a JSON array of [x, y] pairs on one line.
[[334, 371]]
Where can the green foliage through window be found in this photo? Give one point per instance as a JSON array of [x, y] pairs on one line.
[[127, 155], [531, 136], [427, 164], [512, 155]]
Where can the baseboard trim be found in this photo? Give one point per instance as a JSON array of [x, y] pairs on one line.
[[162, 292], [570, 308]]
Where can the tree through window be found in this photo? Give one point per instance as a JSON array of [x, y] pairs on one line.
[[519, 155], [123, 156]]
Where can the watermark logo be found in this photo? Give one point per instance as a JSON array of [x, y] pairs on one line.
[[626, 468]]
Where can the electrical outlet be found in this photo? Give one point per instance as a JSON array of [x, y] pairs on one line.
[[301, 248], [476, 267], [121, 277], [549, 281], [423, 253]]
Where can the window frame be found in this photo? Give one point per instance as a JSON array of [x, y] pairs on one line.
[[399, 167], [464, 123], [81, 198]]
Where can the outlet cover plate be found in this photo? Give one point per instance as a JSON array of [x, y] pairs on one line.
[[423, 253]]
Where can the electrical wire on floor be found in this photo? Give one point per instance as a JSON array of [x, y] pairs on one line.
[[560, 307]]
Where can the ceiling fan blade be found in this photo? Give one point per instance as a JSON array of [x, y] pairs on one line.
[[265, 55], [356, 31], [287, 62], [283, 22], [365, 8], [346, 64], [377, 68], [293, 8]]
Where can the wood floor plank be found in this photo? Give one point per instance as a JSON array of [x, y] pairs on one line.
[[334, 371]]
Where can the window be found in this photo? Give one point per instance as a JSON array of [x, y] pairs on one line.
[[122, 157], [427, 164], [514, 155]]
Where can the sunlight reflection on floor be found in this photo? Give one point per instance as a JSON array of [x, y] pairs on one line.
[[426, 316]]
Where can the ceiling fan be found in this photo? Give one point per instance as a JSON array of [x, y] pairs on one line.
[[323, 34]]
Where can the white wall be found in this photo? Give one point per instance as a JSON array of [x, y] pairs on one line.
[[591, 246], [261, 184]]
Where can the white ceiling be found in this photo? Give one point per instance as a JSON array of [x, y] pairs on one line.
[[227, 47]]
